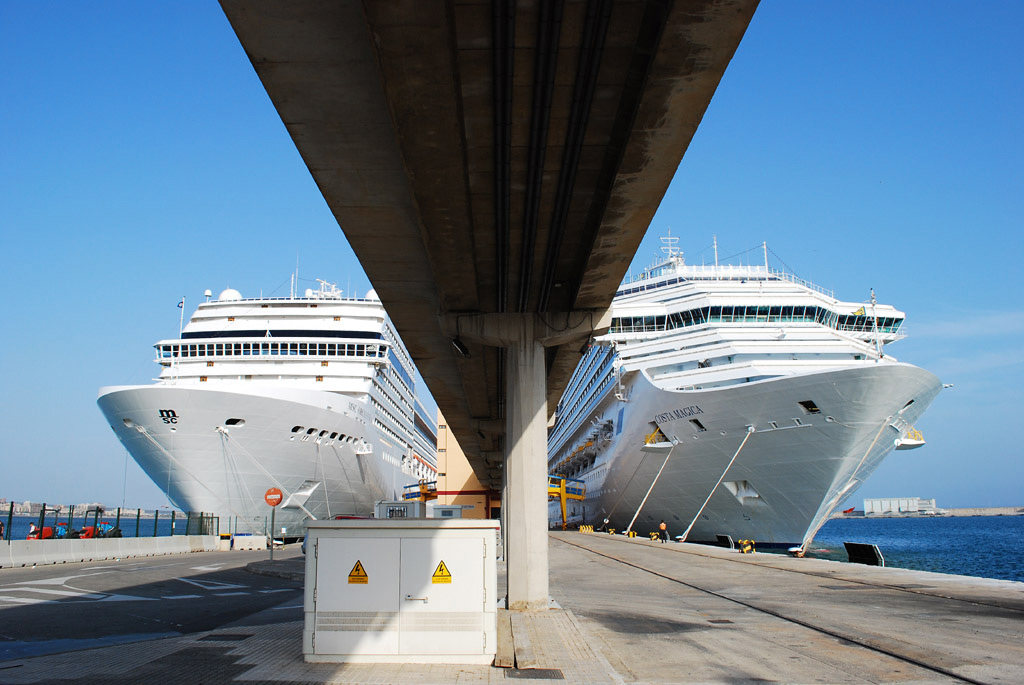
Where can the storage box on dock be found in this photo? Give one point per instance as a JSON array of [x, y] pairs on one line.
[[413, 590]]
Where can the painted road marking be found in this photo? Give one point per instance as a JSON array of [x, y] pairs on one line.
[[210, 567], [211, 584], [62, 593], [56, 581]]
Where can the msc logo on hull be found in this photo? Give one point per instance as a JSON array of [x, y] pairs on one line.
[[168, 416]]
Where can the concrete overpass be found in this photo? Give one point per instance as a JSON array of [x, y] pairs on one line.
[[494, 165]]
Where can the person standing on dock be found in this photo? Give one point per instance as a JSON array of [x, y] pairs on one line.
[[663, 529]]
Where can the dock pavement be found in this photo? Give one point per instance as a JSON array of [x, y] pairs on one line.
[[630, 611]]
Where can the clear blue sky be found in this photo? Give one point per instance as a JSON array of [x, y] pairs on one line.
[[872, 144]]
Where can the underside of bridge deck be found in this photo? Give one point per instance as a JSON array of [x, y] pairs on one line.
[[491, 157]]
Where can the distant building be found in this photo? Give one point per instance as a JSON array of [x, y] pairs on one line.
[[900, 505], [456, 482]]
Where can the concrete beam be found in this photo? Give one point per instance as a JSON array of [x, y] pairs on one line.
[[548, 329]]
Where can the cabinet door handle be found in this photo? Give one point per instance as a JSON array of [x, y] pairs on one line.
[[410, 598]]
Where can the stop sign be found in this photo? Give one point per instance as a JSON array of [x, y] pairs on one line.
[[273, 497]]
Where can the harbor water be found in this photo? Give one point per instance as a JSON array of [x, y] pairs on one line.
[[147, 526], [982, 546]]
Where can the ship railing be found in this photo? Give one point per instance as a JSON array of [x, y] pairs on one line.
[[869, 328], [323, 298]]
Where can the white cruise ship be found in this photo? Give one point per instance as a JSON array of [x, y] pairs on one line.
[[732, 400], [312, 395]]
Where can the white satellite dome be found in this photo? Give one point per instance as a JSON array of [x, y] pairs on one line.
[[228, 295], [372, 295]]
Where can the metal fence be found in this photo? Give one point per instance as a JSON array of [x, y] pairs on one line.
[[97, 522]]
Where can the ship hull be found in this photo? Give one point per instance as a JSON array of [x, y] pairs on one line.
[[748, 461], [184, 438]]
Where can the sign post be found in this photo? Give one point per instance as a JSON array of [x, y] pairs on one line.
[[272, 497]]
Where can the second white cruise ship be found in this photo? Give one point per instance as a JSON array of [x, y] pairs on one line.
[[732, 400], [313, 395]]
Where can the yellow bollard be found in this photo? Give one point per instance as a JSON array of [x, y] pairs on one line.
[[611, 531], [655, 536]]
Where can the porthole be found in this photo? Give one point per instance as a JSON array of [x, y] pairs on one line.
[[296, 429], [235, 422], [333, 436], [128, 422], [322, 434], [311, 431]]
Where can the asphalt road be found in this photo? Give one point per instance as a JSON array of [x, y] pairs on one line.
[[63, 607]]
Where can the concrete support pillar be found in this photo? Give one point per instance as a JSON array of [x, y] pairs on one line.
[[524, 506], [526, 459]]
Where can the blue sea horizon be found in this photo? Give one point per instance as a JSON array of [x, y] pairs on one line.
[[981, 546]]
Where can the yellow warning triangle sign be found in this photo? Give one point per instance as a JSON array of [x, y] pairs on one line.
[[358, 575], [441, 575]]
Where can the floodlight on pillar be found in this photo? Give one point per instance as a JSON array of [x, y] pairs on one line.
[[460, 348]]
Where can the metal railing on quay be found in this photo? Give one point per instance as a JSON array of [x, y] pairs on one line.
[[63, 522]]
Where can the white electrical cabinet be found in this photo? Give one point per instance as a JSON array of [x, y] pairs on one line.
[[416, 591]]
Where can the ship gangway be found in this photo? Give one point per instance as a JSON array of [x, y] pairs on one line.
[[423, 491], [564, 489]]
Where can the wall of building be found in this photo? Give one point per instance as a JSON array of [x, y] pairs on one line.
[[456, 482], [986, 511], [898, 505]]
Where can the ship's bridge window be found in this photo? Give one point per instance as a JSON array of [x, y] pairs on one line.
[[809, 407]]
